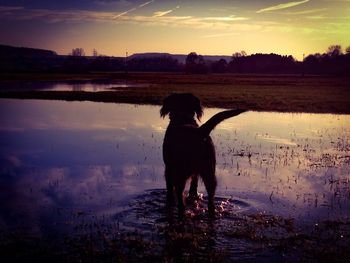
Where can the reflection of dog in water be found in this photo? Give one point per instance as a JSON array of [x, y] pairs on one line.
[[188, 150]]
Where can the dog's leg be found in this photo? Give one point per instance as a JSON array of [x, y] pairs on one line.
[[193, 194], [209, 180], [179, 188], [169, 186]]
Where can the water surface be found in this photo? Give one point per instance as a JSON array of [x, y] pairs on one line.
[[66, 164], [87, 86]]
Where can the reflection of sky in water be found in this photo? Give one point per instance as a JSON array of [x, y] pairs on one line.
[[69, 86], [59, 159], [90, 87]]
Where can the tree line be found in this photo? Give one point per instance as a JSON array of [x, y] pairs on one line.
[[333, 61]]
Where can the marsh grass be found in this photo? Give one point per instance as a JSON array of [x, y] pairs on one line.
[[284, 93], [160, 238]]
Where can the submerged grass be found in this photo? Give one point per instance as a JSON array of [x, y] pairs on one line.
[[249, 238], [284, 93]]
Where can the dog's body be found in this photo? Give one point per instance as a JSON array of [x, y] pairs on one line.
[[188, 150]]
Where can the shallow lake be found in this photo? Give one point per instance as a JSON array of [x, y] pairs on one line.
[[69, 169]]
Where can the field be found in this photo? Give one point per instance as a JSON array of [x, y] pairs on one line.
[[283, 93]]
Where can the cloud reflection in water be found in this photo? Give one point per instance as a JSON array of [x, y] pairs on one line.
[[86, 157]]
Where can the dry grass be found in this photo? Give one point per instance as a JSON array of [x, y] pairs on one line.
[[285, 93]]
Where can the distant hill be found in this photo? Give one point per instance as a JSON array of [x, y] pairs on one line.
[[10, 51], [179, 57], [14, 59]]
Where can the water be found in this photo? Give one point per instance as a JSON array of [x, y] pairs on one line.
[[92, 173], [70, 86]]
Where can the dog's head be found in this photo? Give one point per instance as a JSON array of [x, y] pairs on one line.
[[181, 104]]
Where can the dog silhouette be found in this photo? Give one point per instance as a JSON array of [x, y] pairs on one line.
[[188, 150]]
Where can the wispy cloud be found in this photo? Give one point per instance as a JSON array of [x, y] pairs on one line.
[[126, 12], [133, 9], [190, 21], [306, 12], [10, 8], [320, 17], [79, 16], [220, 35], [119, 3], [147, 3], [226, 18], [282, 6], [162, 13], [226, 24]]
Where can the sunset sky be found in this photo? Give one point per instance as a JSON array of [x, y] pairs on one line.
[[221, 27]]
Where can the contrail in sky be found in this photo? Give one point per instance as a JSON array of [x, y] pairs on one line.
[[282, 6], [133, 9], [142, 5]]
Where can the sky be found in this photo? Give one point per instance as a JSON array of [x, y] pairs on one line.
[[222, 27]]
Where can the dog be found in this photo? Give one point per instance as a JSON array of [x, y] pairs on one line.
[[188, 150]]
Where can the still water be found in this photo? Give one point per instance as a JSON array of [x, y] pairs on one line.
[[63, 164], [70, 86]]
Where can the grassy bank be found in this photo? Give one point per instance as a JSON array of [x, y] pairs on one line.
[[283, 93]]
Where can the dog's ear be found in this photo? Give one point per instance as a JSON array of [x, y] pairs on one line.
[[198, 109], [165, 110]]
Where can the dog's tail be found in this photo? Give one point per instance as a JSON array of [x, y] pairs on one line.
[[207, 127]]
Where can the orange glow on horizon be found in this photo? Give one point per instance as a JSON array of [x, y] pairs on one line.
[[287, 28]]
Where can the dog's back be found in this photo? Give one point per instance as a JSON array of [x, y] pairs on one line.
[[186, 149]]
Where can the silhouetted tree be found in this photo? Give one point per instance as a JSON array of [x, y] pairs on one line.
[[239, 54], [347, 50], [195, 63], [78, 52], [237, 62], [163, 63], [310, 59], [334, 50], [219, 66], [76, 62], [104, 63], [262, 63], [332, 62]]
